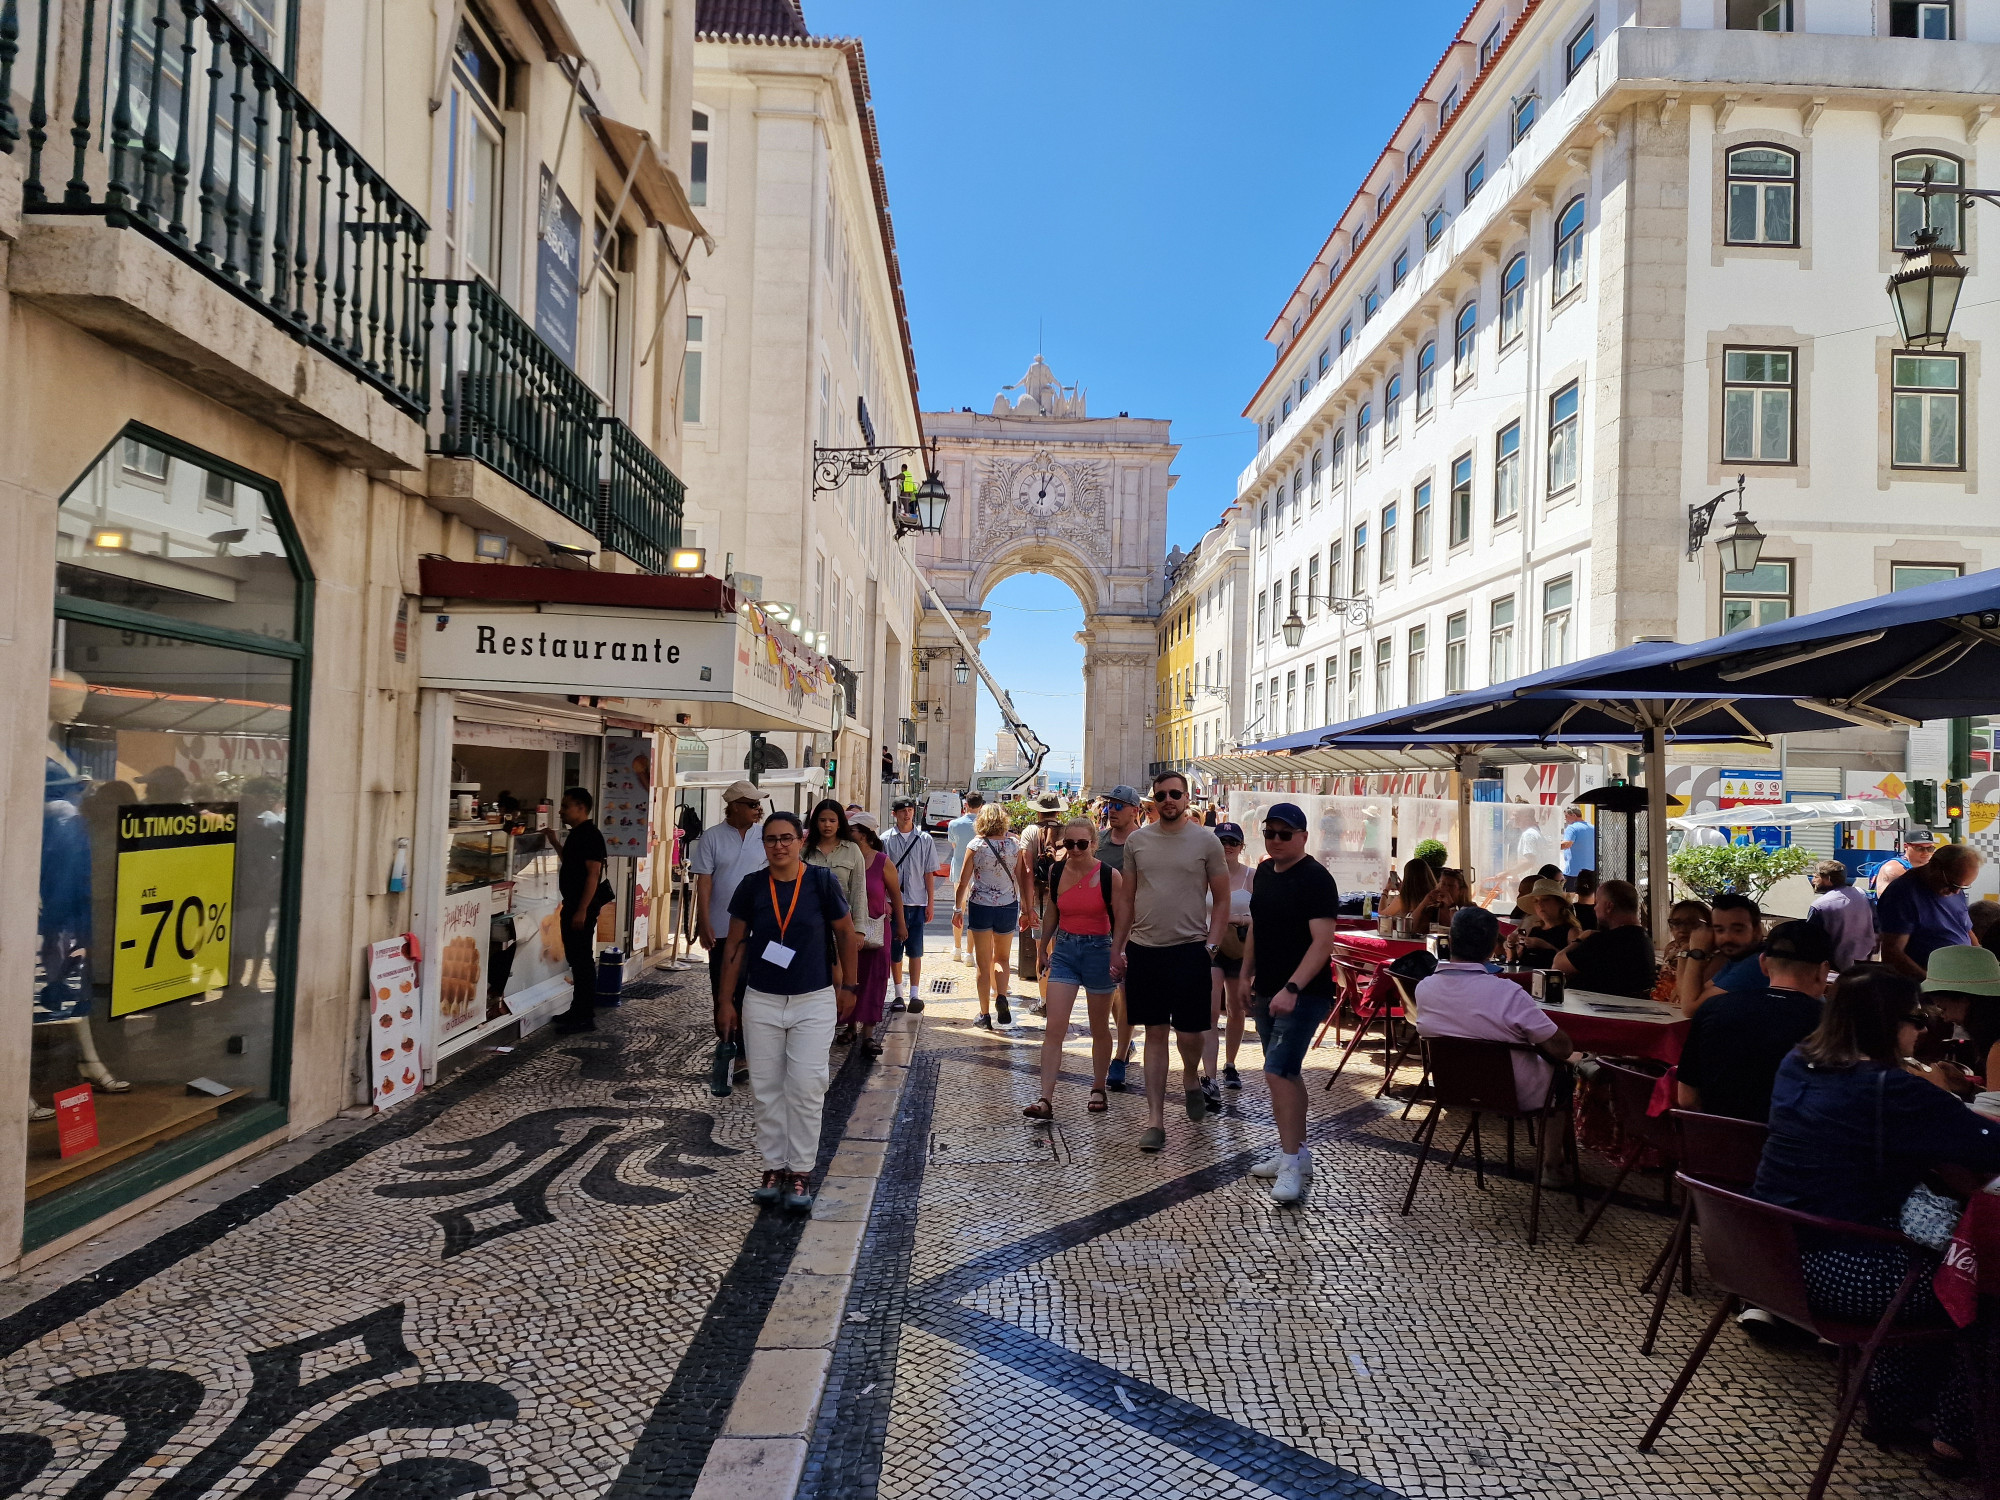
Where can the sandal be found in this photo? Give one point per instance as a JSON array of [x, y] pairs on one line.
[[1041, 1109], [1098, 1103], [871, 1048]]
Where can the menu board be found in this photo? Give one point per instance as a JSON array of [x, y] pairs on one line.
[[625, 818], [395, 1063]]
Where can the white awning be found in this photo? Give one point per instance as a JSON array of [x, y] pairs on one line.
[[1791, 814]]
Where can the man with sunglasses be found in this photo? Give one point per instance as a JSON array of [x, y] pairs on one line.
[[1121, 817], [1293, 906], [1925, 910], [1172, 910]]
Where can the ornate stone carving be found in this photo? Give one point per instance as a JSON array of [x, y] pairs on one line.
[[1043, 499]]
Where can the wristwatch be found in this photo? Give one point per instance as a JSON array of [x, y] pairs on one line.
[[1699, 955], [1292, 985]]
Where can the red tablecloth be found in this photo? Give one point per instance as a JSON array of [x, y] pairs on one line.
[[1615, 1036], [1369, 947], [1971, 1261]]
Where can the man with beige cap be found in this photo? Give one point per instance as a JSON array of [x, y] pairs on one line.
[[723, 855]]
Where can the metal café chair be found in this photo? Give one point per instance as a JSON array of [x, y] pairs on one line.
[[1478, 1076], [1716, 1149], [1752, 1251], [1631, 1100], [1370, 1009], [1350, 985]]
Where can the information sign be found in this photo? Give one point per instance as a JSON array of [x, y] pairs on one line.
[[76, 1120], [176, 880], [393, 1007]]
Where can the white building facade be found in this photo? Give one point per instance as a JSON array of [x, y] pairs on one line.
[[1201, 711], [1616, 255]]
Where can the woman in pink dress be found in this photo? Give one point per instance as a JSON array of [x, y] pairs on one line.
[[885, 906]]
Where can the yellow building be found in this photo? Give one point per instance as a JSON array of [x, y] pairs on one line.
[[1173, 671]]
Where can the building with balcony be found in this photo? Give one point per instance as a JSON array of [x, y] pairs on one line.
[[297, 303], [798, 340], [1217, 575], [1614, 256]]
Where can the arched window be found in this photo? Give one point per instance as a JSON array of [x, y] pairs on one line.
[[1466, 340], [1763, 187], [1427, 358], [1263, 522], [1910, 171], [1361, 425], [1392, 408], [1569, 248], [1513, 299], [1339, 453], [1314, 492]]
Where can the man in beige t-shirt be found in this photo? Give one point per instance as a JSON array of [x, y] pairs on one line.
[[1171, 910]]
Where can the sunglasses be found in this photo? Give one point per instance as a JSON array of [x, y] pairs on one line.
[[1231, 843], [1076, 843], [1111, 806], [1161, 794], [1281, 835]]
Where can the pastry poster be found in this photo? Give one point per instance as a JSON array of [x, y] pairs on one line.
[[626, 813], [461, 962], [395, 1063], [176, 879]]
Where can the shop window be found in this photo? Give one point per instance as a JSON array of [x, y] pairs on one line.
[[1762, 596], [168, 881]]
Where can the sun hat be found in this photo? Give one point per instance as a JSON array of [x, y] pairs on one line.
[[1962, 971], [1548, 888], [865, 820], [1048, 802], [740, 791]]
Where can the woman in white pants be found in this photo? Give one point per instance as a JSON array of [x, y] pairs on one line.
[[783, 921]]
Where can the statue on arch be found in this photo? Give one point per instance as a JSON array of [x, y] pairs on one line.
[[1040, 394]]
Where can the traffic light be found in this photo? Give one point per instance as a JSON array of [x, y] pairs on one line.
[[832, 771], [1923, 803], [1954, 801]]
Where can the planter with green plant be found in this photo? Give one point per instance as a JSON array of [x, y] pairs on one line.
[[1707, 871]]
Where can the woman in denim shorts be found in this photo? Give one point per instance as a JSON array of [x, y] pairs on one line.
[[1076, 954], [988, 905]]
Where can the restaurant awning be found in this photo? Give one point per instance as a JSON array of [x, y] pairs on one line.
[[1791, 814], [1258, 764], [655, 185]]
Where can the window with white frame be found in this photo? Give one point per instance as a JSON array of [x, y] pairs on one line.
[[1363, 420], [1312, 586], [1558, 639], [1454, 652], [1420, 524], [1298, 493], [1354, 708], [1475, 176], [475, 159], [1313, 489], [1450, 106], [1762, 191], [1427, 358], [1910, 176], [1459, 530], [1932, 20], [1291, 702], [1564, 435], [1292, 604], [1385, 662], [1433, 226], [1916, 575], [1264, 524], [1414, 675], [1263, 615], [1339, 455], [1382, 199], [1258, 712], [1762, 596], [1386, 566], [1569, 248], [1465, 341], [1759, 15], [1399, 268], [1331, 681], [1491, 46], [1334, 552], [1392, 409], [698, 160], [1310, 701], [1582, 43], [1513, 300], [1360, 556], [1507, 472], [1758, 405], [1523, 115], [1927, 411], [1500, 641], [691, 370]]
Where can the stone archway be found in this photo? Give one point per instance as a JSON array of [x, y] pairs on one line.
[[1039, 486]]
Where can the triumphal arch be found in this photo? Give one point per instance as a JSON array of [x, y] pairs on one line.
[[1038, 485]]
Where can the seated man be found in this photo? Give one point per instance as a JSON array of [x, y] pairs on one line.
[[1737, 1039], [1462, 999], [1617, 958], [1729, 961]]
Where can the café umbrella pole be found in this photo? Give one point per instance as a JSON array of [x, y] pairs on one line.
[[1658, 894]]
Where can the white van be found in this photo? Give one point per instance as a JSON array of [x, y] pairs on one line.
[[939, 809]]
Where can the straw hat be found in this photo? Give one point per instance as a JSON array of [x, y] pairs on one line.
[[1548, 888]]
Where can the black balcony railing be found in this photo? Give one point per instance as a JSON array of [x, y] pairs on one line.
[[640, 499], [510, 402], [168, 119], [907, 731]]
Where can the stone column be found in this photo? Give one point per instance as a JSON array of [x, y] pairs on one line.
[[1118, 657], [952, 733]]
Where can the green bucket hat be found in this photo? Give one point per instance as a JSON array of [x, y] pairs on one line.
[[1963, 971]]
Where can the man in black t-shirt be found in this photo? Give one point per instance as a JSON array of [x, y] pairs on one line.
[[1293, 906], [1738, 1038], [1617, 958], [580, 878]]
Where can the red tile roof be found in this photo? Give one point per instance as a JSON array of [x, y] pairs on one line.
[[751, 17]]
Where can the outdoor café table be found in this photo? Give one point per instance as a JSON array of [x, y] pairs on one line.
[[1620, 1026], [1372, 948]]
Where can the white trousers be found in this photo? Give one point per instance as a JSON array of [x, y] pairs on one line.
[[786, 1039]]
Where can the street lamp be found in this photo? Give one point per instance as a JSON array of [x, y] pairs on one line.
[[931, 502], [1924, 290], [1294, 628], [961, 671], [1740, 546]]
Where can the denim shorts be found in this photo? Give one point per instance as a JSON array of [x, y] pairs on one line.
[[913, 945], [980, 918], [1285, 1038], [1082, 959]]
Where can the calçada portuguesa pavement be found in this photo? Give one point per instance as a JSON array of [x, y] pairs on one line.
[[546, 1278]]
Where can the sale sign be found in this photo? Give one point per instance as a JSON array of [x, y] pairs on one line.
[[76, 1120], [394, 1062], [176, 879]]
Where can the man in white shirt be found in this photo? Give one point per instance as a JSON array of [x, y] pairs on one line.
[[913, 854], [962, 831], [723, 855]]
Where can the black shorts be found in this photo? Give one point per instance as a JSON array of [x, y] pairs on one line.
[[1168, 986]]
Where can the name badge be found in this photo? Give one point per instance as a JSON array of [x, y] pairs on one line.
[[778, 955]]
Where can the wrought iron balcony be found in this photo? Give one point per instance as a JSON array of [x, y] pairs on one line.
[[169, 120], [508, 400], [640, 499]]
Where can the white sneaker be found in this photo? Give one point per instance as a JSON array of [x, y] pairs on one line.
[[1290, 1186], [1270, 1165]]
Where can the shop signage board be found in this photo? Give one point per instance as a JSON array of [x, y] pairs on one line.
[[556, 270], [394, 1016], [1756, 788], [176, 880], [625, 819]]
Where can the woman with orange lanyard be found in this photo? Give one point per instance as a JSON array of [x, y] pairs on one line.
[[1076, 954], [780, 920]]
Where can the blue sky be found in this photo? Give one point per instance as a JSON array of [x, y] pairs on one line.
[[1144, 182]]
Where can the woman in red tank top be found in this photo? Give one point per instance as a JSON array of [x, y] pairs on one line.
[[1076, 954]]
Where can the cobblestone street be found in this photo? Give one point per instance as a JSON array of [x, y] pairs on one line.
[[545, 1278]]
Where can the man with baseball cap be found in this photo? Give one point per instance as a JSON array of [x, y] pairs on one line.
[[1121, 817], [1737, 1039], [1919, 844], [723, 855], [913, 854], [1172, 910]]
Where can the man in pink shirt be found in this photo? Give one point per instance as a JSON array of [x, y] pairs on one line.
[[1462, 999]]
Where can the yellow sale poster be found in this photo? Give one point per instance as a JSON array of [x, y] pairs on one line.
[[176, 879]]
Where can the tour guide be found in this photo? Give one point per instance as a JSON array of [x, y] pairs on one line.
[[779, 923]]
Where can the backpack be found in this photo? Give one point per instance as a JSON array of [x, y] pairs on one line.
[[1046, 861]]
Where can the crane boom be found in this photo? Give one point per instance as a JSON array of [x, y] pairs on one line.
[[1032, 748]]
